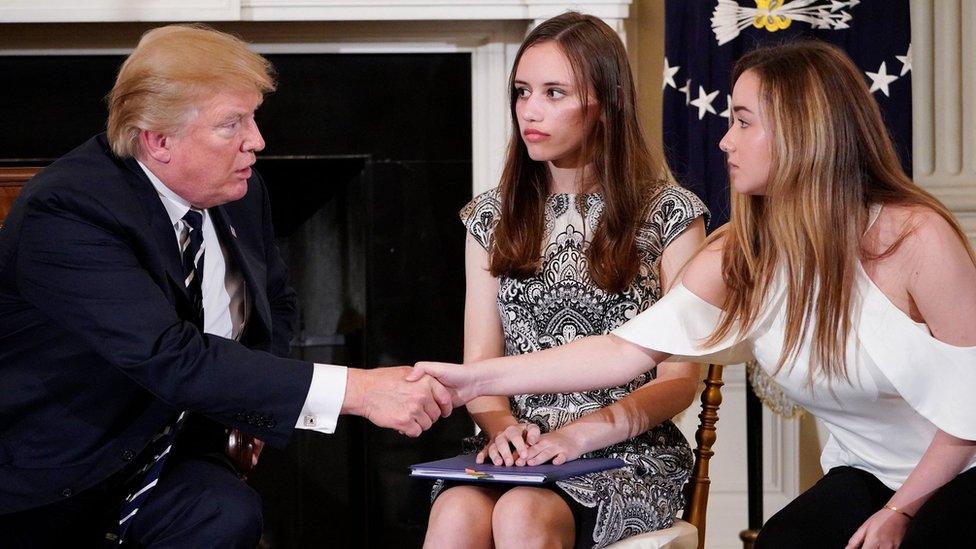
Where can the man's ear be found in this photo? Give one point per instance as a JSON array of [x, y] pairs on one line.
[[155, 145]]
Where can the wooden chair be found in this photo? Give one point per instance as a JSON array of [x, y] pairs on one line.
[[11, 182], [689, 531]]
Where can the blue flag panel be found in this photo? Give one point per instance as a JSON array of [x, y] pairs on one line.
[[704, 38]]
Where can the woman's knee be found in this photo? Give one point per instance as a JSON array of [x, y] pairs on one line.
[[461, 511], [776, 533], [464, 503], [532, 516]]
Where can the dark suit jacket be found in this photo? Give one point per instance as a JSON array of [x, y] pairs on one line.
[[96, 349]]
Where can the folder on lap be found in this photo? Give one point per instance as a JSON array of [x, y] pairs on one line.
[[463, 467]]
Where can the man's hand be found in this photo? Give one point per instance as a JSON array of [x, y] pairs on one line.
[[387, 399], [243, 450], [258, 448], [460, 380]]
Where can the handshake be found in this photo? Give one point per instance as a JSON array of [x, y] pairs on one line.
[[407, 399]]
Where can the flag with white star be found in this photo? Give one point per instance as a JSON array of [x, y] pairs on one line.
[[704, 38]]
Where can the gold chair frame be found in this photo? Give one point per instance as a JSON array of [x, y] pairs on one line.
[[11, 181], [696, 491]]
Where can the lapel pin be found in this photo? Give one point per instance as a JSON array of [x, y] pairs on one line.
[[233, 232]]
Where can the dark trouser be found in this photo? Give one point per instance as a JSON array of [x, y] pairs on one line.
[[828, 514], [197, 503]]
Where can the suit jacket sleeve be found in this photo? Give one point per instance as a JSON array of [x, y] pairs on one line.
[[75, 262]]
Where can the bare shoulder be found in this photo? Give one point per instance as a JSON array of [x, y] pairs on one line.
[[929, 237], [941, 276], [703, 276]]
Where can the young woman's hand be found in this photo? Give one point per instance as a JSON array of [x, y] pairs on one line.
[[885, 529], [454, 377], [518, 437], [558, 446]]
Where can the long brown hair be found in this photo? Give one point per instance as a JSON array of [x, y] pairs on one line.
[[831, 158], [627, 171]]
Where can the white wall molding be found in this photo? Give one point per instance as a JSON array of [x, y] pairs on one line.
[[50, 11], [366, 10], [74, 11], [944, 103]]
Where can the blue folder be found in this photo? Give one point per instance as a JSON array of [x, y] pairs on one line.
[[463, 467]]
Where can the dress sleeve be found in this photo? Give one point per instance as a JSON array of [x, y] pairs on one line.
[[678, 324], [672, 210], [481, 215], [935, 378]]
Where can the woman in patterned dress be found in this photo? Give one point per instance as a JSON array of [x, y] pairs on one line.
[[581, 187]]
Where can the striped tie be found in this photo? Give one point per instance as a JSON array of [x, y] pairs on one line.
[[191, 246]]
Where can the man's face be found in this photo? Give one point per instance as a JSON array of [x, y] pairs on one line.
[[211, 158]]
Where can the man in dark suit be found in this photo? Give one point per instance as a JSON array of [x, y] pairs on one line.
[[143, 303]]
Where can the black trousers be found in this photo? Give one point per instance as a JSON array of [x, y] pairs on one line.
[[198, 502], [828, 514]]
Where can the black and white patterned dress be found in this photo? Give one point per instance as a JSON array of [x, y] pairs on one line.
[[560, 304]]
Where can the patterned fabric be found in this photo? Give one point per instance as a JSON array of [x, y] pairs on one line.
[[562, 304]]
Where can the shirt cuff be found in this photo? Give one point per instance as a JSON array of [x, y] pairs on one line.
[[324, 400]]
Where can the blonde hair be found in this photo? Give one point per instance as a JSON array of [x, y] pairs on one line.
[[171, 70], [831, 158]]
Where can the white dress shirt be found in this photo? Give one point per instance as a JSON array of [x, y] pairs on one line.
[[226, 309]]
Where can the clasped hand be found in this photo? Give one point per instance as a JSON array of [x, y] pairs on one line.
[[458, 379], [387, 398], [520, 444], [524, 444]]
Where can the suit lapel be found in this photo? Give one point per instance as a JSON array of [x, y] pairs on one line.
[[159, 226], [160, 231], [251, 267]]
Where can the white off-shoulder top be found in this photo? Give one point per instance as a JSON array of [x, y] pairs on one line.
[[904, 383]]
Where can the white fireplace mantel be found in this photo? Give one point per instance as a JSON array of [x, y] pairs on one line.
[[59, 11], [346, 10]]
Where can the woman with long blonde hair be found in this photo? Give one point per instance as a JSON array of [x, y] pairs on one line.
[[853, 288], [582, 233]]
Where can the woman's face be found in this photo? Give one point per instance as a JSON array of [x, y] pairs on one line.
[[549, 107], [747, 144]]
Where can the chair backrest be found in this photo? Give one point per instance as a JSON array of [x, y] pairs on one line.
[[11, 182], [696, 490]]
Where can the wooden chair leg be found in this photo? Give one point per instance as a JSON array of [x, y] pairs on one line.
[[697, 488]]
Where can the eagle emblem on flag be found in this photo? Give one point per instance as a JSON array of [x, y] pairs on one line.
[[729, 18]]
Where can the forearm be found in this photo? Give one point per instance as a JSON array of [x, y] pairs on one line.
[[492, 413], [942, 461], [589, 363], [638, 412]]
